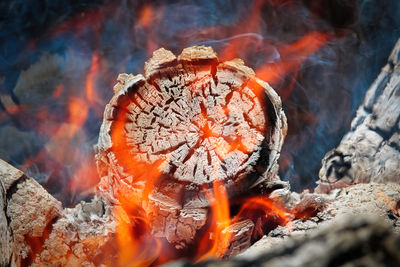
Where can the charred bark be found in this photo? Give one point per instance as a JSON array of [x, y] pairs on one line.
[[370, 151]]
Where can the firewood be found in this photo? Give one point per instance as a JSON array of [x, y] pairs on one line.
[[188, 122], [370, 151], [30, 210], [36, 231], [382, 200]]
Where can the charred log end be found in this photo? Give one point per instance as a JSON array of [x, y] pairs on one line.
[[189, 122]]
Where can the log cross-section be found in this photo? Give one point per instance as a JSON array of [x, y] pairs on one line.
[[188, 122]]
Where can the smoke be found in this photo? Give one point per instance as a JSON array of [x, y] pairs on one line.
[[51, 51]]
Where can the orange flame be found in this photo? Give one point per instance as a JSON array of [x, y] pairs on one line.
[[146, 16], [293, 54], [136, 246], [85, 177], [251, 23], [264, 204], [78, 112], [90, 91], [220, 221], [58, 91]]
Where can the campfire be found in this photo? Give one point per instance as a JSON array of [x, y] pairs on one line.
[[144, 134]]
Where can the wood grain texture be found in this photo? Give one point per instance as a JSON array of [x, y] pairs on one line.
[[188, 122]]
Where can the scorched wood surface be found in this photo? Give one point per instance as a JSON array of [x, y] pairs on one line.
[[188, 122]]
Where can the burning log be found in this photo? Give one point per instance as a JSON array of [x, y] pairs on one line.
[[188, 123], [370, 152], [166, 143]]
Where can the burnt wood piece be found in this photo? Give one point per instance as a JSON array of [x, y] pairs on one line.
[[28, 209], [239, 238], [187, 122], [36, 231], [8, 175], [370, 151]]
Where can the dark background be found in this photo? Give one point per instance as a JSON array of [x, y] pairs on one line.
[[50, 51]]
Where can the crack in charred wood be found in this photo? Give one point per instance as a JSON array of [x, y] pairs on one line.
[[14, 186]]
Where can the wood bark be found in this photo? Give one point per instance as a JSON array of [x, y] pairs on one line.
[[188, 122], [26, 221], [370, 151]]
